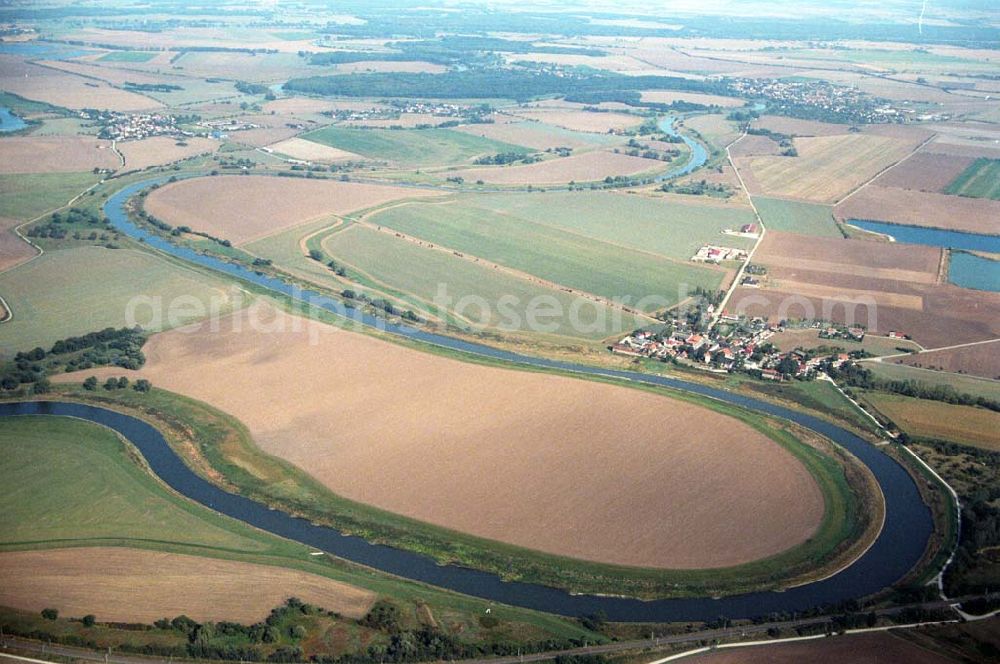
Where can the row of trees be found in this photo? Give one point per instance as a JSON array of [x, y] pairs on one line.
[[857, 376], [120, 383]]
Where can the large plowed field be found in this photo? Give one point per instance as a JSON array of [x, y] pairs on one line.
[[115, 584], [555, 464], [240, 208]]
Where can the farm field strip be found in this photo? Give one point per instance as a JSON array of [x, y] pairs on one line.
[[669, 229], [422, 272], [926, 170], [551, 254], [121, 588], [961, 382], [936, 419], [161, 150], [26, 196], [75, 291], [247, 208], [583, 167], [921, 208], [980, 180], [59, 88], [886, 273], [828, 167], [980, 359], [580, 120], [881, 298], [796, 216], [538, 135], [55, 154], [415, 147]]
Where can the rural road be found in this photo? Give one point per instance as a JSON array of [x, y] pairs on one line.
[[40, 651]]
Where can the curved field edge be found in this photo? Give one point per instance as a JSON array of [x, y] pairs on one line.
[[220, 448], [275, 551]]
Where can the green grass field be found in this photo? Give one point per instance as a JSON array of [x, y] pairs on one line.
[[75, 291], [417, 147], [25, 196], [50, 500], [65, 482], [407, 267], [796, 217], [21, 106], [539, 247], [128, 56], [668, 228], [980, 180], [962, 383]]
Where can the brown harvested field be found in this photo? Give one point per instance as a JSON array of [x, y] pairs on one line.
[[941, 145], [263, 136], [851, 649], [617, 63], [797, 127], [669, 96], [306, 106], [585, 167], [980, 360], [408, 120], [245, 208], [299, 148], [828, 167], [180, 37], [116, 585], [978, 139], [714, 128], [111, 74], [853, 256], [55, 154], [924, 171], [160, 150], [808, 338], [405, 66], [754, 146], [824, 278], [936, 419], [13, 250], [599, 122], [920, 208], [590, 470], [68, 90], [535, 135], [950, 314]]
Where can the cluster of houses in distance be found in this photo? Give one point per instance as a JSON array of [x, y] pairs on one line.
[[737, 345], [118, 126]]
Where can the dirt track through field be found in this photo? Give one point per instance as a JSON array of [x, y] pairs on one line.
[[561, 465], [136, 585]]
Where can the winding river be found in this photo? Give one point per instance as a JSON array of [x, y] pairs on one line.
[[901, 543]]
